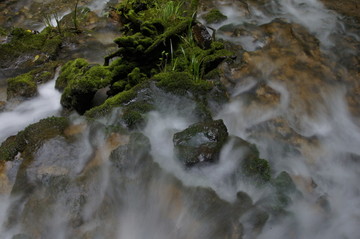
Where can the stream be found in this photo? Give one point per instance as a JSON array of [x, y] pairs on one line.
[[295, 99]]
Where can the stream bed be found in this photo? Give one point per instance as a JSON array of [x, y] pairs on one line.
[[293, 99]]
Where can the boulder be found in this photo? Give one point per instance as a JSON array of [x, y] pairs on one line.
[[200, 142]]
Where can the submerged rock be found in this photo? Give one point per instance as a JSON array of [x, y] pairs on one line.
[[200, 142]]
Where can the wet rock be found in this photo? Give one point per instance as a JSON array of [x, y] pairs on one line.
[[200, 143], [21, 236]]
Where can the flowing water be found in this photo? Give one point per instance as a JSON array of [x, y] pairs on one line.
[[135, 195]]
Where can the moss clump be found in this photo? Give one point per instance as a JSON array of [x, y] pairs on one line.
[[80, 83], [32, 137], [252, 166], [214, 16], [181, 83], [70, 71], [21, 86]]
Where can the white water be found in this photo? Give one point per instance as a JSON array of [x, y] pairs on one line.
[[47, 103], [332, 162], [309, 13]]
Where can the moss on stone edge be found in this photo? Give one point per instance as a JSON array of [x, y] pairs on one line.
[[32, 137], [214, 16]]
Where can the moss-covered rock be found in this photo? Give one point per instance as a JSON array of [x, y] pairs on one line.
[[257, 168], [214, 16], [70, 71], [200, 142], [80, 83], [134, 113], [32, 137], [251, 165], [23, 86]]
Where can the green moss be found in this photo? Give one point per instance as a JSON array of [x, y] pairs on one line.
[[81, 89], [23, 86], [32, 137], [283, 183], [214, 16], [133, 119], [181, 82], [70, 71], [257, 168], [3, 31]]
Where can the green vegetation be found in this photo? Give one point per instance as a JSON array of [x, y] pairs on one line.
[[214, 16]]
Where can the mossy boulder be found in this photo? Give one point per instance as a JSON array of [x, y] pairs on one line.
[[200, 142], [80, 82], [32, 137], [214, 16]]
